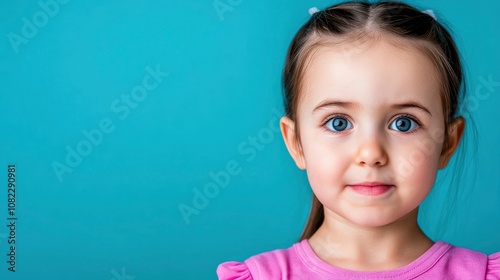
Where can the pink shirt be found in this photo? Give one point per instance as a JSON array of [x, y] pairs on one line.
[[441, 261]]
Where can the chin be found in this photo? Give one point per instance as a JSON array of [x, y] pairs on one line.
[[372, 222]]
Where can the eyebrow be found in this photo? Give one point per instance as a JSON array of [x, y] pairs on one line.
[[352, 105], [335, 103], [411, 104]]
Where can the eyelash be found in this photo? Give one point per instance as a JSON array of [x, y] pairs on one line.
[[323, 125]]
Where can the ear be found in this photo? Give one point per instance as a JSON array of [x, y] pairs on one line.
[[455, 131], [287, 127]]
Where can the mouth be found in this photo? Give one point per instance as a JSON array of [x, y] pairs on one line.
[[371, 188]]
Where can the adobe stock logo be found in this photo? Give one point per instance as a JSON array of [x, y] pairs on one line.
[[482, 92], [40, 19], [221, 179], [121, 107], [122, 275], [223, 6]]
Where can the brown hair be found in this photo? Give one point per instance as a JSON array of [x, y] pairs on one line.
[[350, 21]]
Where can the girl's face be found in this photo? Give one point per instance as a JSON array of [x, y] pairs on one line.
[[373, 115]]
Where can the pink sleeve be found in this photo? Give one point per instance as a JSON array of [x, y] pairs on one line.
[[233, 271], [493, 270]]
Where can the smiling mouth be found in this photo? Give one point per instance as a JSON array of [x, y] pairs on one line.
[[371, 189]]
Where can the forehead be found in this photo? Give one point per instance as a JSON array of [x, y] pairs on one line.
[[373, 72]]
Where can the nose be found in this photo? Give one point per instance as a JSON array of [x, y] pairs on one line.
[[371, 152]]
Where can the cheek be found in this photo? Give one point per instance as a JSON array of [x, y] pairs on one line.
[[418, 170], [423, 171], [415, 153], [326, 165]]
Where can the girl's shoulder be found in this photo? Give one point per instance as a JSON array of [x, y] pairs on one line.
[[462, 261], [300, 262], [273, 264], [493, 271]]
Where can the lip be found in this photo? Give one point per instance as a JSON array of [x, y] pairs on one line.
[[371, 188]]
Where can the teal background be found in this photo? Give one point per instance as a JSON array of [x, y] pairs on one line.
[[116, 215]]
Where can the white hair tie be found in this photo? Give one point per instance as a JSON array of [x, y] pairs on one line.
[[431, 13], [313, 10]]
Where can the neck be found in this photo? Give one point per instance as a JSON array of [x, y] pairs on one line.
[[350, 246]]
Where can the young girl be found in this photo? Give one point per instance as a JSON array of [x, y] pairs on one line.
[[372, 93]]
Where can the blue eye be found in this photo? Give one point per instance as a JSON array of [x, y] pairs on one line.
[[404, 124], [338, 124]]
